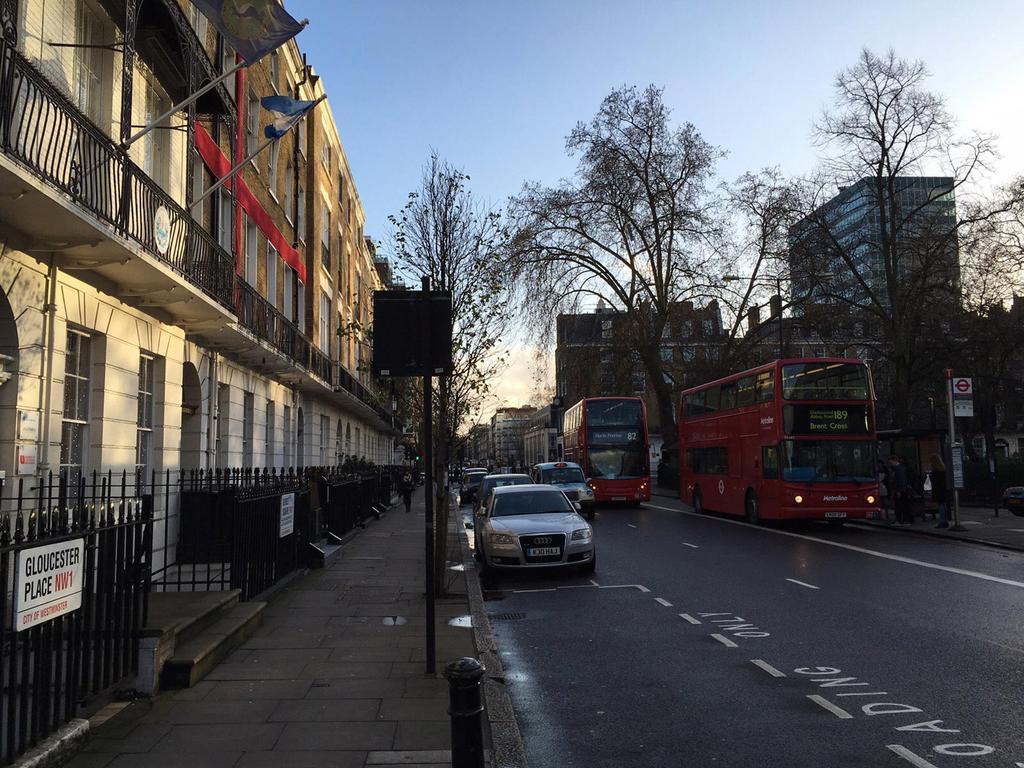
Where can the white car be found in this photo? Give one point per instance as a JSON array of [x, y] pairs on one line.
[[532, 526]]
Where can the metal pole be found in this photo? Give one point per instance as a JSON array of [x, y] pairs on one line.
[[428, 484], [952, 439], [466, 709]]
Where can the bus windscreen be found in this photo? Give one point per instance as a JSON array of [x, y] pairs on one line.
[[608, 462], [828, 461], [825, 381]]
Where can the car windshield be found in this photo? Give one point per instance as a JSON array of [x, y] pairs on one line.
[[613, 463], [560, 475], [488, 484], [828, 461], [530, 503], [825, 381], [475, 478], [613, 413]]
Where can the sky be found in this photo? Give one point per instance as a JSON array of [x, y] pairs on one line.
[[494, 87]]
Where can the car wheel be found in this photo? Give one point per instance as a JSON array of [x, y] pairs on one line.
[[751, 509], [698, 501]]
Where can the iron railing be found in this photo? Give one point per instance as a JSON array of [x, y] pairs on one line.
[[48, 669], [42, 129]]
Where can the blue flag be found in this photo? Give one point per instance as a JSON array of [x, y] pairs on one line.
[[252, 27], [287, 112]]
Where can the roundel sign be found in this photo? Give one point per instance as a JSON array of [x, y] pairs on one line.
[[721, 487], [962, 386]]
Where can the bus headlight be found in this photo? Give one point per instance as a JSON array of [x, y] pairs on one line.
[[871, 499], [798, 499]]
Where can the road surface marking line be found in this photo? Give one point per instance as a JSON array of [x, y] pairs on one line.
[[912, 758], [767, 668], [724, 640], [594, 583], [803, 584], [631, 525], [852, 548], [663, 601], [525, 591], [825, 704], [692, 546], [640, 587], [689, 618], [864, 693]]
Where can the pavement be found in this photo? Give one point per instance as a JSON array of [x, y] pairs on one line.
[[983, 527], [702, 640], [335, 676]]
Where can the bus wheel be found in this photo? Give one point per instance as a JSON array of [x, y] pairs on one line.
[[698, 501], [751, 508]]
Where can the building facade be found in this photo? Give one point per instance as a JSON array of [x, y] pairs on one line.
[[508, 425], [142, 330], [540, 440]]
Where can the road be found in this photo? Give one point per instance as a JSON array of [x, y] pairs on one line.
[[704, 641]]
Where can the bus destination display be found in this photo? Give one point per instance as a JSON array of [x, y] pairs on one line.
[[825, 420]]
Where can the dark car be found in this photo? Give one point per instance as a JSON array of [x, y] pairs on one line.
[[470, 483], [1013, 500], [490, 482]]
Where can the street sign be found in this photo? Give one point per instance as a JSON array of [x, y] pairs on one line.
[[958, 467], [963, 396], [47, 582], [412, 333]]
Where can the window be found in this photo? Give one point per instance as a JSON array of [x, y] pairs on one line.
[[198, 22], [89, 64], [325, 155], [223, 413], [340, 325], [325, 322], [272, 155], [287, 436], [144, 423], [325, 236], [199, 185], [272, 259], [268, 440], [666, 354], [728, 397], [252, 125], [300, 133], [288, 203], [300, 217], [765, 386], [770, 462], [325, 438], [341, 188], [248, 413], [290, 278], [227, 57], [156, 145], [75, 425], [357, 298], [275, 71], [745, 391], [251, 249], [606, 329], [708, 461], [224, 219]]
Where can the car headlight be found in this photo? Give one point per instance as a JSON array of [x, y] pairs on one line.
[[586, 492], [501, 539], [871, 499], [582, 534]]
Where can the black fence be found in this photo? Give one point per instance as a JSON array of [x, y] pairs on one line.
[[54, 655], [247, 529]]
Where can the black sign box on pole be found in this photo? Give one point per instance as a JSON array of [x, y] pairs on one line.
[[402, 344]]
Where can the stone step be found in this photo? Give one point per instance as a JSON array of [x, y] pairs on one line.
[[324, 551], [194, 658]]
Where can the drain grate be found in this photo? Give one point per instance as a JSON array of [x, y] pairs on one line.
[[506, 616]]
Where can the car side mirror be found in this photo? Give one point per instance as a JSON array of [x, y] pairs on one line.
[[577, 506]]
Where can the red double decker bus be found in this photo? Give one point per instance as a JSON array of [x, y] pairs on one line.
[[607, 437], [793, 439]]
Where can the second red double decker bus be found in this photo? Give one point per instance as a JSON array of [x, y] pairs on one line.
[[607, 437], [787, 440]]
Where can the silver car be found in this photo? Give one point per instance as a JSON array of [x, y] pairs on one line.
[[568, 477], [532, 526]]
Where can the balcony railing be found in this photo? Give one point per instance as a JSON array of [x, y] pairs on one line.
[[44, 131]]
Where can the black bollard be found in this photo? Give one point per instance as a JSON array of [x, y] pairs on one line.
[[465, 705]]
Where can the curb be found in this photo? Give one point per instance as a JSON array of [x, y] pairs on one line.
[[57, 748], [506, 740], [937, 535]]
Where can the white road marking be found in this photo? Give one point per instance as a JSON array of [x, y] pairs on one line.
[[592, 585], [663, 601], [803, 584], [724, 640], [631, 525], [688, 544], [525, 591], [911, 757], [825, 704], [1017, 530], [689, 618], [767, 668], [852, 548], [864, 693]]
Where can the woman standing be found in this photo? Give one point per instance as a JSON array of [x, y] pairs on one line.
[[939, 489]]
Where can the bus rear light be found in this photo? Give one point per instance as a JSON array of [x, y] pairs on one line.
[[871, 499], [798, 499]]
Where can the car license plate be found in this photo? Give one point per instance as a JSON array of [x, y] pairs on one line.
[[618, 498], [543, 551], [835, 514]]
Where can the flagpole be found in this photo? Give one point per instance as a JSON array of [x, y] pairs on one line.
[[227, 176]]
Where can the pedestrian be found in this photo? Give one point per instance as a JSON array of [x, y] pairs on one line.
[[939, 489], [884, 497], [407, 488], [899, 490], [915, 484]]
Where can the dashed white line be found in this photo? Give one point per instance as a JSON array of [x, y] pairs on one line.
[[525, 591], [639, 587], [692, 546], [631, 525], [724, 640], [825, 704], [663, 601], [803, 584], [850, 547], [689, 618], [767, 667], [912, 757]]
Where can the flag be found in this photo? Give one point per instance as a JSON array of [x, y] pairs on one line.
[[287, 112], [252, 27]]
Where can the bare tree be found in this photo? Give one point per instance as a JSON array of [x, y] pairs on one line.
[[445, 233], [899, 164], [630, 228]]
